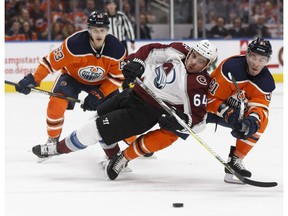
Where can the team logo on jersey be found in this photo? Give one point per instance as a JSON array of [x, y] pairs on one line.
[[91, 73], [202, 80], [236, 100], [165, 74]]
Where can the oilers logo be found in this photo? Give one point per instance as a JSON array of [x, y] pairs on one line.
[[165, 74], [235, 100], [91, 73]]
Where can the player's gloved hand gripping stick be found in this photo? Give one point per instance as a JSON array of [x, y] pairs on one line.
[[208, 148]]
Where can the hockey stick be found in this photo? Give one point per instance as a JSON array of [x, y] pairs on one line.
[[47, 93], [242, 105], [207, 147]]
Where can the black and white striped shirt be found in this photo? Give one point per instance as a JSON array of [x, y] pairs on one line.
[[121, 27]]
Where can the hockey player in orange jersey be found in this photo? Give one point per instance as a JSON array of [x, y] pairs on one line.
[[256, 85], [90, 60]]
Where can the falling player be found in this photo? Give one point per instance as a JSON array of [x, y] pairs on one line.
[[90, 60], [176, 73], [256, 84]]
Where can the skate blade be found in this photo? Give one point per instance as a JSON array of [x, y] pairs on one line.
[[127, 170], [103, 164], [41, 160], [229, 178]]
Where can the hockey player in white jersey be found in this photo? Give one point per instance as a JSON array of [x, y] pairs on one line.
[[175, 72]]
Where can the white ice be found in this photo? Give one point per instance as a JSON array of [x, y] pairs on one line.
[[185, 172]]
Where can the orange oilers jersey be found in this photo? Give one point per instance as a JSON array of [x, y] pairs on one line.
[[77, 58], [258, 88]]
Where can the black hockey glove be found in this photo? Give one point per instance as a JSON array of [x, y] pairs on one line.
[[248, 126], [134, 68], [24, 86], [93, 100], [169, 122], [230, 115]]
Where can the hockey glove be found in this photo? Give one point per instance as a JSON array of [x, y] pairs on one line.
[[134, 68], [24, 86], [93, 100], [169, 122], [231, 116], [246, 128]]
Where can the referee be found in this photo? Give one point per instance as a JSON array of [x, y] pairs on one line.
[[120, 26]]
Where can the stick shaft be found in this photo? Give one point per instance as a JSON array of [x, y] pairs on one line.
[[46, 92], [242, 105]]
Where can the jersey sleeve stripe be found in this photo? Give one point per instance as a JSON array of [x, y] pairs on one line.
[[253, 105], [115, 82]]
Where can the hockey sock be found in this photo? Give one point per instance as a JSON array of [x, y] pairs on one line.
[[62, 148], [112, 150], [136, 149]]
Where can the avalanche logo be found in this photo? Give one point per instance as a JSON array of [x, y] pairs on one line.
[[165, 74], [91, 73]]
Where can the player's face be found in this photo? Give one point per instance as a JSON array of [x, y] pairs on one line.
[[256, 63], [196, 62], [98, 35]]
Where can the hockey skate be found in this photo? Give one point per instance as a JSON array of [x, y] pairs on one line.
[[46, 151], [116, 165], [103, 164], [237, 165]]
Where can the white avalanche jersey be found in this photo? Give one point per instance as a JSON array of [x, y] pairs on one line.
[[165, 74]]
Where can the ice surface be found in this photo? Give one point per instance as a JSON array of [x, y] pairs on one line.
[[185, 172]]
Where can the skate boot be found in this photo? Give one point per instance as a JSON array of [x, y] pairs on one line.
[[116, 165], [237, 165], [45, 151]]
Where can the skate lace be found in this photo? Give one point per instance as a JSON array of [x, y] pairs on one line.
[[48, 149], [237, 162], [119, 164]]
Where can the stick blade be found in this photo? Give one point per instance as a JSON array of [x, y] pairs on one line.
[[258, 183]]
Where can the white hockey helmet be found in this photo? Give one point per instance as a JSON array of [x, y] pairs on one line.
[[206, 49]]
